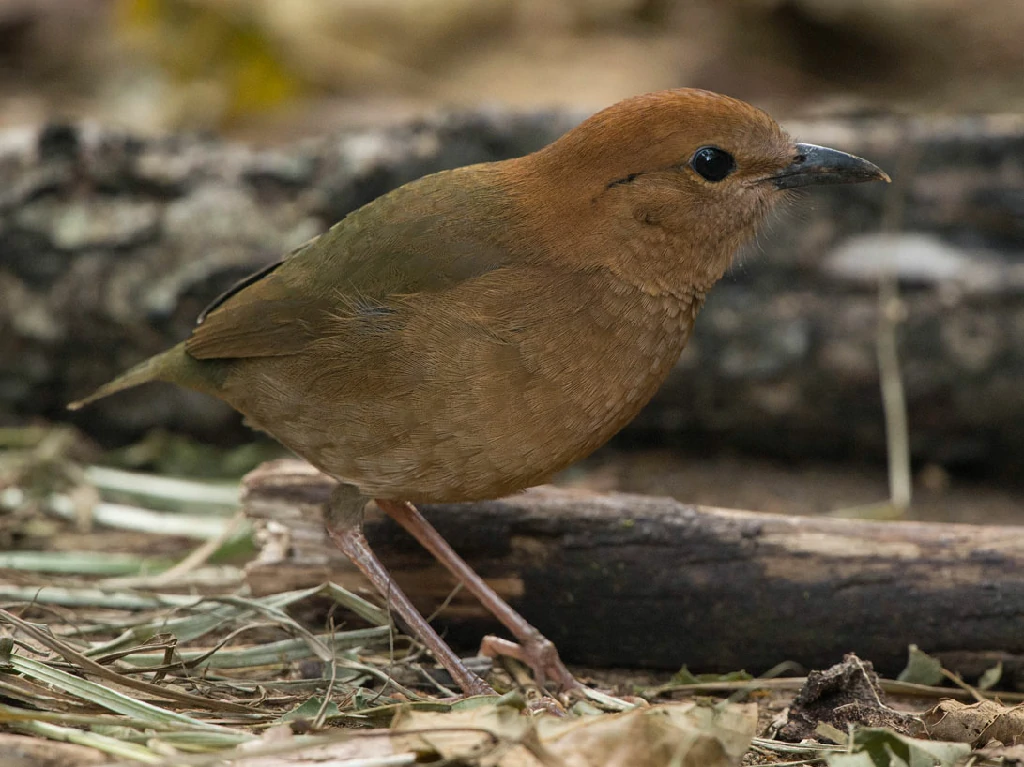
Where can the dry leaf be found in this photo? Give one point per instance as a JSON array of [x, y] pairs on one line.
[[977, 723], [362, 745], [884, 748], [684, 734], [921, 668], [1008, 754]]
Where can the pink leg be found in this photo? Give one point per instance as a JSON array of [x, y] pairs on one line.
[[343, 529], [533, 649]]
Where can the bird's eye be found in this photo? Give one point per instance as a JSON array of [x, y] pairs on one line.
[[712, 163]]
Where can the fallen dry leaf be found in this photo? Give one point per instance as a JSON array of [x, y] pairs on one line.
[[1008, 754], [684, 733], [279, 748], [876, 747], [977, 723]]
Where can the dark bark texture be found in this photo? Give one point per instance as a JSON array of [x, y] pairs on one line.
[[110, 245], [626, 580]]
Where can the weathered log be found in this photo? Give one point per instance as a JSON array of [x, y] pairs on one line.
[[626, 580], [110, 245]]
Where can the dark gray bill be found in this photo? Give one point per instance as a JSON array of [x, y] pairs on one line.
[[816, 165]]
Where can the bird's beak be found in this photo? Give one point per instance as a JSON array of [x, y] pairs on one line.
[[817, 165]]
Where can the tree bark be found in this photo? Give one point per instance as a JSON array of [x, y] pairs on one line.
[[626, 580], [110, 245]]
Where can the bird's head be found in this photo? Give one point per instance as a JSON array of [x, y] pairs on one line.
[[682, 178]]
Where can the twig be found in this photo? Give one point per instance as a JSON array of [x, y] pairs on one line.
[[447, 601]]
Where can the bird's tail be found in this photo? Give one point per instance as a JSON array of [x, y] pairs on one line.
[[157, 368]]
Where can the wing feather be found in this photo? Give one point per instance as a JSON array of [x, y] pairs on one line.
[[417, 239]]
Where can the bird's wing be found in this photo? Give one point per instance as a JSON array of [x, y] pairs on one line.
[[358, 269], [261, 316]]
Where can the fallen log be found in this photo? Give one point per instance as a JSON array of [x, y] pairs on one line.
[[626, 580]]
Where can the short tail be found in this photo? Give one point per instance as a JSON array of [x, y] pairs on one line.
[[155, 368]]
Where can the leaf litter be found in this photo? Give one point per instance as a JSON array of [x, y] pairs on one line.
[[129, 658]]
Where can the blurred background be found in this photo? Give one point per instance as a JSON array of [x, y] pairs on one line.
[[152, 151], [275, 70]]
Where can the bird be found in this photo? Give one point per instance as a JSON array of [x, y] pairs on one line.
[[472, 333]]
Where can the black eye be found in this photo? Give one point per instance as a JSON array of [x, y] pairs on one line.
[[712, 163]]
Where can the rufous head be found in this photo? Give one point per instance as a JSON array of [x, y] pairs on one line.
[[688, 172]]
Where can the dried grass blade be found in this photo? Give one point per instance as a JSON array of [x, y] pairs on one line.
[[15, 714], [207, 616], [137, 519], [282, 618], [97, 598], [361, 607], [271, 654], [180, 491], [103, 743], [89, 666], [104, 696], [81, 562]]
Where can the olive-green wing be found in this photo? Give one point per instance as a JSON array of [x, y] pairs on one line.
[[417, 239], [262, 316]]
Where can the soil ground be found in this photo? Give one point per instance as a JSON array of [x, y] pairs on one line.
[[804, 488]]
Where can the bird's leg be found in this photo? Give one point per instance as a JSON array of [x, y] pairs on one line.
[[534, 649], [343, 517]]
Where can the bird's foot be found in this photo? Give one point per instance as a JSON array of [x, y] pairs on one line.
[[537, 652], [546, 705]]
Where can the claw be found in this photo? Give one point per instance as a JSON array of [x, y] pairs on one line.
[[539, 654]]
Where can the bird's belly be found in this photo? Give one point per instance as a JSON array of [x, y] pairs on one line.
[[485, 419], [483, 447], [493, 437]]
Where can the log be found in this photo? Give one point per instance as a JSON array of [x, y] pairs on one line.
[[111, 244], [632, 581]]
